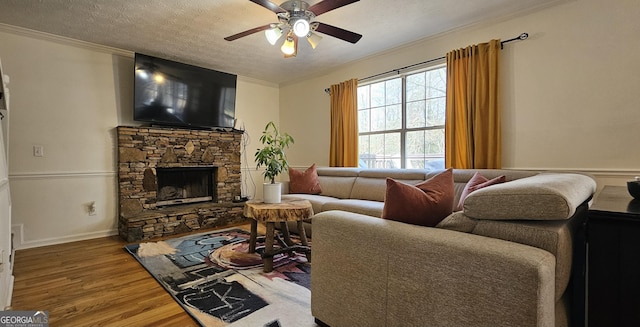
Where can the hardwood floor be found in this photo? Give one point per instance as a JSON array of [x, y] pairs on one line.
[[93, 283]]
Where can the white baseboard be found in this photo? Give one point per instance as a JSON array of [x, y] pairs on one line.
[[20, 243]]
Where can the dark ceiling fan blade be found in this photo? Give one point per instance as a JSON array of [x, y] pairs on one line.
[[338, 32], [248, 32], [328, 5], [269, 5]]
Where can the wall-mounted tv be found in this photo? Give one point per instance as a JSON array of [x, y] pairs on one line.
[[176, 94]]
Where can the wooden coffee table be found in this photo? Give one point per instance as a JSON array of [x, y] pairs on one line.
[[270, 213]]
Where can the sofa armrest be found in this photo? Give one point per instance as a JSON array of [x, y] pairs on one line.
[[369, 271]]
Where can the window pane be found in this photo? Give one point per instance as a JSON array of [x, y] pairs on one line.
[[363, 144], [416, 87], [363, 120], [437, 83], [394, 91], [436, 111], [434, 142], [416, 114], [376, 145], [363, 97], [425, 149], [394, 117], [415, 149], [364, 152], [377, 94], [392, 150], [377, 119]]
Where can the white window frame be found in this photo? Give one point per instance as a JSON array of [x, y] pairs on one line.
[[435, 161]]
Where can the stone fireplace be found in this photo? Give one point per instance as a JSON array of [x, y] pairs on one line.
[[175, 181]]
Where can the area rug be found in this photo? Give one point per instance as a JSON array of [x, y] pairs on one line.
[[218, 283]]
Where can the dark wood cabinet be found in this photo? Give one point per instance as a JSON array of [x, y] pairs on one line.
[[613, 237]]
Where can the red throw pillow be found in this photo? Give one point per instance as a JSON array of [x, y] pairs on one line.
[[425, 204], [304, 182], [475, 183]]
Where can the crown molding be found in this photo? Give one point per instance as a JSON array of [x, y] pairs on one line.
[[63, 40]]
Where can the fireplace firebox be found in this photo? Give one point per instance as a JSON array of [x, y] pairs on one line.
[[180, 185]]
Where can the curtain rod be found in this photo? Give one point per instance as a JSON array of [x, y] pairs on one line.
[[522, 36]]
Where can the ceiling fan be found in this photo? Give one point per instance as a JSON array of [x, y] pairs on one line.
[[296, 19]]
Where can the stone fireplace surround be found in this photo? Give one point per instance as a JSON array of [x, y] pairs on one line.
[[143, 149]]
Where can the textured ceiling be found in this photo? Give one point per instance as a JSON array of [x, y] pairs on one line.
[[193, 31]]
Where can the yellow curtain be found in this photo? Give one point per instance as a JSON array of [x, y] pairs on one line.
[[343, 150], [472, 129]]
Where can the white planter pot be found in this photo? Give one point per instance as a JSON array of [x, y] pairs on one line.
[[272, 192]]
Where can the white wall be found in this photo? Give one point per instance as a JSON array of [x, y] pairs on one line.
[[256, 104], [69, 96], [569, 92], [64, 99]]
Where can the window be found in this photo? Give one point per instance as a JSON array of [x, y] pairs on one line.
[[401, 121]]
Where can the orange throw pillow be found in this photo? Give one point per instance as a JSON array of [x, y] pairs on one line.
[[425, 204], [304, 182], [475, 183]]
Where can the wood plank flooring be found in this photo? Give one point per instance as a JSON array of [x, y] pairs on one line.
[[93, 283]]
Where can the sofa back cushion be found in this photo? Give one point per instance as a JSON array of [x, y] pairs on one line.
[[371, 184], [462, 176], [546, 196], [337, 182]]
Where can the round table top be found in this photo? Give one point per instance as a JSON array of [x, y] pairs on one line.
[[287, 210]]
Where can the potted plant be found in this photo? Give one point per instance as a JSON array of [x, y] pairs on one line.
[[272, 156]]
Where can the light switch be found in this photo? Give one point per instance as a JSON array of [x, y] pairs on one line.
[[38, 151]]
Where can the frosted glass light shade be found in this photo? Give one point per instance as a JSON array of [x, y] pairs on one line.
[[301, 27], [288, 47], [273, 34], [313, 39]]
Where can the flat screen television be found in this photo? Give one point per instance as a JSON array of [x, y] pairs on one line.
[[176, 94]]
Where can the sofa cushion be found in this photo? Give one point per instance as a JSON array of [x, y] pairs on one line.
[[475, 183], [546, 196], [365, 207], [462, 176], [425, 204], [305, 182], [371, 183], [459, 222], [317, 201]]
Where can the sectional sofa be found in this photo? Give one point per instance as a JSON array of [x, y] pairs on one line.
[[513, 256]]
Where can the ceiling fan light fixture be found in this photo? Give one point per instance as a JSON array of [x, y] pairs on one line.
[[273, 34], [313, 39], [301, 27], [288, 47]]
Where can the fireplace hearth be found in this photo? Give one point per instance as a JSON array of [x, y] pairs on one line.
[[174, 181]]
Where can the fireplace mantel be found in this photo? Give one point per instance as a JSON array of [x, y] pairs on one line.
[[142, 150]]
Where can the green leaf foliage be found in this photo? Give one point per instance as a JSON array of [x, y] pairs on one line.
[[272, 155]]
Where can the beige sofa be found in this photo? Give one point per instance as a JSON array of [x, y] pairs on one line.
[[513, 257]]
